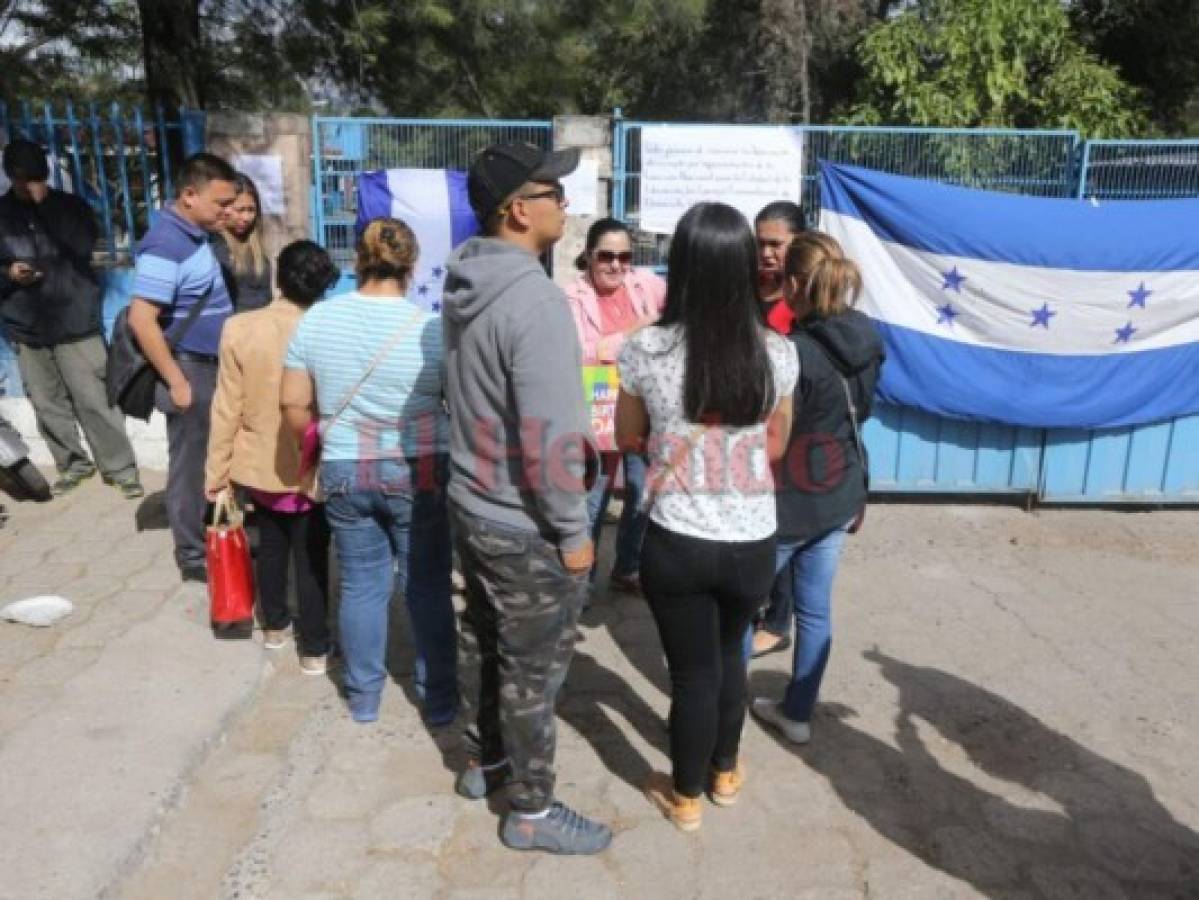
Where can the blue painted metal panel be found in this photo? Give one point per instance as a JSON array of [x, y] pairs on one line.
[[1157, 463], [913, 451]]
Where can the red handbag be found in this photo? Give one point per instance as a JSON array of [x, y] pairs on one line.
[[230, 571]]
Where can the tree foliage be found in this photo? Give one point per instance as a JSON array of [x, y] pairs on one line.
[[999, 63]]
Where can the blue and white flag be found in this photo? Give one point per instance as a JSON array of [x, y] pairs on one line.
[[434, 204], [1031, 311]]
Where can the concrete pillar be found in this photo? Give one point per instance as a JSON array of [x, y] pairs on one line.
[[288, 136], [593, 135]]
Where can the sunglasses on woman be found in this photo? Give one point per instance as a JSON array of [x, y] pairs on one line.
[[624, 257]]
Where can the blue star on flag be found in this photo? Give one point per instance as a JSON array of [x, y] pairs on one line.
[[435, 306], [423, 290], [1139, 296], [437, 271], [946, 314], [953, 280], [1124, 335], [1041, 316]]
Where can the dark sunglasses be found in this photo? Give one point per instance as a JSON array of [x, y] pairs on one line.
[[624, 257], [557, 193]]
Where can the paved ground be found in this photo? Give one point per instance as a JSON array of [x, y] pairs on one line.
[[1010, 712]]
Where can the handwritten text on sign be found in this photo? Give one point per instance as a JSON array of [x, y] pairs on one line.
[[745, 167]]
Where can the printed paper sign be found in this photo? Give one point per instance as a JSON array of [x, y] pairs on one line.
[[601, 384], [746, 167], [267, 174], [582, 189]]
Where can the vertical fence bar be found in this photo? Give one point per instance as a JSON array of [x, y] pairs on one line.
[[4, 120], [164, 156], [192, 122], [618, 153], [76, 164], [318, 193], [1082, 170], [144, 156], [102, 179], [123, 170], [26, 121], [52, 145]]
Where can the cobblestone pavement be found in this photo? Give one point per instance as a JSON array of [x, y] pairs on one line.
[[1010, 712]]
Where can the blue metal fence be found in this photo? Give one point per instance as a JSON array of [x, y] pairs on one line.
[[113, 157], [344, 148], [913, 451]]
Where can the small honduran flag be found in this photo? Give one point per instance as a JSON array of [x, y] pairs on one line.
[[434, 204]]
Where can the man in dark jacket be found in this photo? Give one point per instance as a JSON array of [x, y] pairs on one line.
[[50, 301]]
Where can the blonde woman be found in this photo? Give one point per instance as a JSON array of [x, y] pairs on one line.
[[824, 486], [241, 252]]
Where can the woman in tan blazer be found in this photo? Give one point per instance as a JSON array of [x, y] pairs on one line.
[[249, 446]]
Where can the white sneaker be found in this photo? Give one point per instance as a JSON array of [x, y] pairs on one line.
[[274, 639], [771, 713], [314, 665]]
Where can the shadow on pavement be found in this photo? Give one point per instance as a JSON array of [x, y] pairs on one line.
[[1070, 823], [151, 513]]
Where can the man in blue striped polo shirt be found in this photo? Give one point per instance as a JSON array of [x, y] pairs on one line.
[[176, 270]]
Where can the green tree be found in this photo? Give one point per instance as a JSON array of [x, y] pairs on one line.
[[1153, 44], [999, 63]]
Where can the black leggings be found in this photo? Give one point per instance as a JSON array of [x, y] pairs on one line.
[[304, 538], [703, 595]]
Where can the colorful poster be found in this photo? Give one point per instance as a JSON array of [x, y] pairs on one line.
[[601, 384]]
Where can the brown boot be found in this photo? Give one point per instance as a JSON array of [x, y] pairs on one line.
[[685, 812]]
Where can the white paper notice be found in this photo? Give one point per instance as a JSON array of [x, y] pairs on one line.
[[582, 189], [745, 167], [267, 174]]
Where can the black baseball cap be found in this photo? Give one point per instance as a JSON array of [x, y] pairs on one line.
[[502, 168], [25, 159]]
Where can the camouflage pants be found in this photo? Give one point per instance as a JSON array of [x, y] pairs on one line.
[[524, 609]]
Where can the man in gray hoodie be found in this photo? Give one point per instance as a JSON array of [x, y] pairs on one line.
[[519, 446]]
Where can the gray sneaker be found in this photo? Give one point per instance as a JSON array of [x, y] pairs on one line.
[[476, 781], [561, 830]]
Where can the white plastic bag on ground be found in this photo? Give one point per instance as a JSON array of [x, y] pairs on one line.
[[41, 611]]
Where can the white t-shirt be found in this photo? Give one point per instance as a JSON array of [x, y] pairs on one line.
[[723, 489]]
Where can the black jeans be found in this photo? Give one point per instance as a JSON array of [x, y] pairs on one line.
[[703, 595], [304, 539]]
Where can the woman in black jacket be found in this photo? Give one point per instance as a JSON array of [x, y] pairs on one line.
[[822, 482], [241, 250]]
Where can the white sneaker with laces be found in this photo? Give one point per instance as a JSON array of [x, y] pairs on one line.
[[771, 713]]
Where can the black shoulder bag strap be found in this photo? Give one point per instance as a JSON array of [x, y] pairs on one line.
[[179, 332]]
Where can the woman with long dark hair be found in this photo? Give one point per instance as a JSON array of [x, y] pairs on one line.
[[707, 393], [840, 356], [610, 300]]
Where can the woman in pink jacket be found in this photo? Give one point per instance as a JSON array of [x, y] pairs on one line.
[[610, 300]]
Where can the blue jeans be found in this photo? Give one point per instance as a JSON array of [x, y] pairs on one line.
[[815, 566], [389, 517], [631, 531]]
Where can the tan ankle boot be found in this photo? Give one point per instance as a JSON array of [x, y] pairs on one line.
[[726, 786], [685, 812]]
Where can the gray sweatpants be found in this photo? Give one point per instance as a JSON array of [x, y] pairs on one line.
[[65, 384]]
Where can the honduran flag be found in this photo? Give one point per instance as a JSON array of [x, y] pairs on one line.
[[1031, 311], [434, 204]]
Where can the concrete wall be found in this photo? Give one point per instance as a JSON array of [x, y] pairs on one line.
[[593, 136]]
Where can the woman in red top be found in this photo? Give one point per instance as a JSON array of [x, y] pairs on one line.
[[610, 300], [776, 226]]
